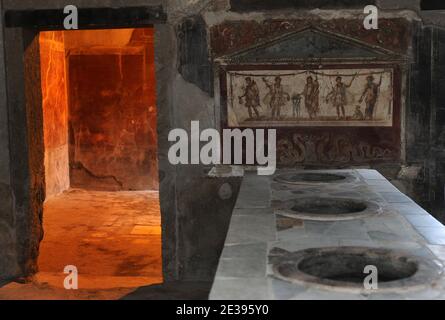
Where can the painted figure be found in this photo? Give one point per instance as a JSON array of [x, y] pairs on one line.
[[252, 97], [323, 97], [277, 96], [338, 96], [311, 94], [370, 96], [296, 105], [358, 114]]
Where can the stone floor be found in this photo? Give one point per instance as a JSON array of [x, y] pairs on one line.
[[258, 226], [113, 238]]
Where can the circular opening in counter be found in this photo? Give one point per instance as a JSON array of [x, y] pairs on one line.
[[310, 177], [344, 267], [349, 266], [327, 208]]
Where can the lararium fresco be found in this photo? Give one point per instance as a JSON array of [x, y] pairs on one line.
[[324, 97]]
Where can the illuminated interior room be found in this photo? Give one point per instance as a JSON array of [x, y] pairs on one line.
[[101, 212]]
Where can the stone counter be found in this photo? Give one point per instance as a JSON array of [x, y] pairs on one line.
[[259, 228]]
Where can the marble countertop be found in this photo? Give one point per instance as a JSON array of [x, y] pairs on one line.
[[244, 270]]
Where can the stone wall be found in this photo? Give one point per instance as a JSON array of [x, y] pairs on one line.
[[437, 142], [193, 227], [112, 113], [8, 263], [418, 170], [55, 112]]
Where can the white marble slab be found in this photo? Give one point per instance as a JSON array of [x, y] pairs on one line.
[[244, 271]]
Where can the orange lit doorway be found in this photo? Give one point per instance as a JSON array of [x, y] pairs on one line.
[[102, 212]]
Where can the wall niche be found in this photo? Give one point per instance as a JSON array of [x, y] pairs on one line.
[[335, 100]]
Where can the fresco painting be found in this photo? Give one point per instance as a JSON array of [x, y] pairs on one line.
[[324, 97]]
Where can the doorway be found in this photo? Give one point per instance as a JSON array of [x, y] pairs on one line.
[[102, 212]]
